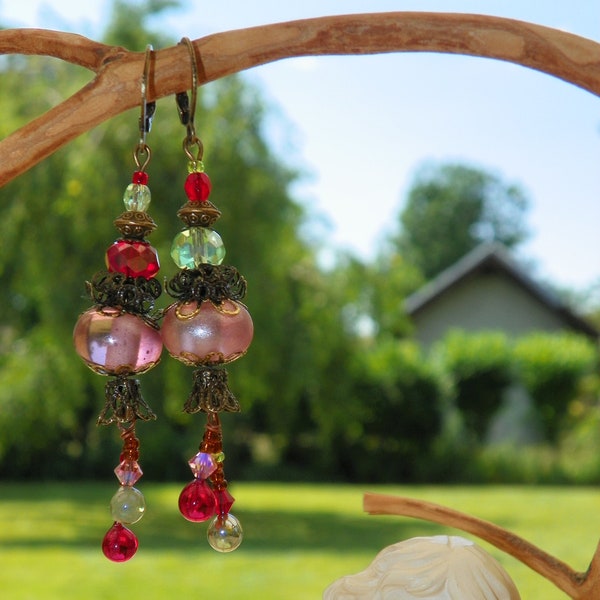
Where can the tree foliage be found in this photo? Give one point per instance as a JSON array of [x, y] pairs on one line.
[[331, 386], [401, 411], [374, 294], [479, 367], [57, 223], [451, 208], [552, 367]]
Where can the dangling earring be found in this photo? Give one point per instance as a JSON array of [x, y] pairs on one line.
[[119, 335], [205, 328]]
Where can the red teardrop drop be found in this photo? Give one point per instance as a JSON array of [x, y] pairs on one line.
[[119, 543], [197, 501]]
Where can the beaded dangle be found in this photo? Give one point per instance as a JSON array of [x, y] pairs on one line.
[[205, 328], [119, 336]]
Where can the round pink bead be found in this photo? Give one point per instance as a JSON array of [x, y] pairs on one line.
[[199, 334], [113, 342]]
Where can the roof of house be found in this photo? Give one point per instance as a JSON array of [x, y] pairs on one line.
[[494, 257]]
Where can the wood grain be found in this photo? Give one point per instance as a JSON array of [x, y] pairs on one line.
[[115, 87]]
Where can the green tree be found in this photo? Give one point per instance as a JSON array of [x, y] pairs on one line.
[[451, 208], [129, 24], [57, 222], [375, 293]]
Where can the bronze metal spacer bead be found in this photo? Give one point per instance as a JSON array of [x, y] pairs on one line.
[[199, 214], [135, 224]]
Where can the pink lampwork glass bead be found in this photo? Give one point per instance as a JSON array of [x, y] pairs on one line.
[[206, 333], [113, 342]]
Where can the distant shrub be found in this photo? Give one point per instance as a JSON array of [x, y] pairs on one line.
[[551, 366], [401, 395], [580, 444], [405, 413], [479, 369], [516, 464]]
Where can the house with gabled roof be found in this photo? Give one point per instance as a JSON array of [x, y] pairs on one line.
[[488, 290]]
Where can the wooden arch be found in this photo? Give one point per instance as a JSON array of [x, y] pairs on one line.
[[115, 88]]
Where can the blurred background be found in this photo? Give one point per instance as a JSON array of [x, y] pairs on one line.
[[419, 236], [436, 343]]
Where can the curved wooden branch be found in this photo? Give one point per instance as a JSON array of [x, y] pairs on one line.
[[580, 586], [116, 85], [69, 47]]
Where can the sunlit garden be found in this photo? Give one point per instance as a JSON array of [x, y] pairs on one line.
[[298, 539], [341, 392]]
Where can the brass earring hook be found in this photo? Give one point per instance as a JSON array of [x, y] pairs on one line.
[[187, 110], [147, 109]]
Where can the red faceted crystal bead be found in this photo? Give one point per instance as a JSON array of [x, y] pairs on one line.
[[197, 501], [132, 258], [197, 187], [119, 543], [224, 501], [140, 177]]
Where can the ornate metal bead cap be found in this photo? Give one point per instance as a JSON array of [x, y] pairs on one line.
[[208, 282], [134, 224], [135, 295], [199, 214]]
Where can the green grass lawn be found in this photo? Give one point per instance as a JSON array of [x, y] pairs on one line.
[[298, 539]]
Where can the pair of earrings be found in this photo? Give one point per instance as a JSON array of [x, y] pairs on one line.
[[205, 327]]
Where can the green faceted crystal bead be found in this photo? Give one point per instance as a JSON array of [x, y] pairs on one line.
[[196, 246], [137, 197]]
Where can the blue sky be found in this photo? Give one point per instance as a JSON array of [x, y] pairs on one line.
[[359, 126]]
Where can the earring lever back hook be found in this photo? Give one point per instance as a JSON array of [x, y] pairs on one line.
[[147, 110]]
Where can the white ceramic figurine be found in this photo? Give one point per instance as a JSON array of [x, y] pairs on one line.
[[428, 568]]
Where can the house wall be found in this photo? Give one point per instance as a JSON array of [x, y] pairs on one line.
[[484, 301]]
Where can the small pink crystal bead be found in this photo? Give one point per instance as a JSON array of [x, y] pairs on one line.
[[197, 501], [203, 465], [200, 334], [128, 472], [113, 342], [119, 543]]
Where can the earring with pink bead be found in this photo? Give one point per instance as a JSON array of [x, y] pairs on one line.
[[205, 328], [119, 336]]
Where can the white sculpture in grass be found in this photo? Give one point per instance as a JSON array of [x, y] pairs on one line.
[[428, 568]]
